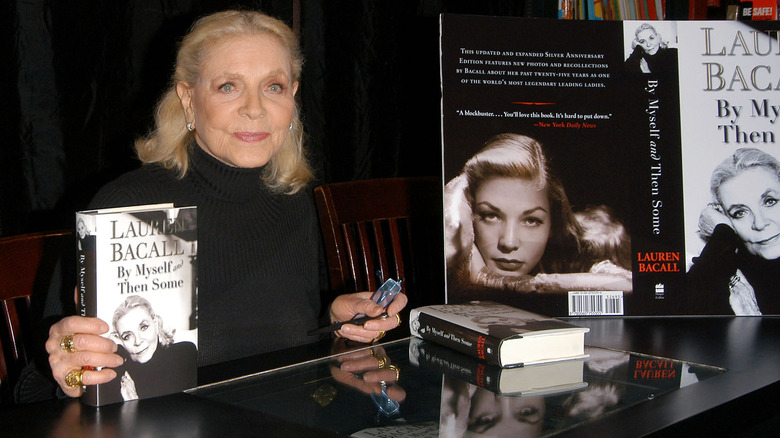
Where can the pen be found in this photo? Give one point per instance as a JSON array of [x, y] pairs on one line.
[[338, 325]]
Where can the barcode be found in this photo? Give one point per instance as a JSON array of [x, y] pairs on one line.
[[588, 303]]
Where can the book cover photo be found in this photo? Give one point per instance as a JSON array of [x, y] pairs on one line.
[[497, 333], [583, 176], [137, 271], [731, 166]]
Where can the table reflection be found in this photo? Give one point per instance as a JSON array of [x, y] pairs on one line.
[[178, 415], [371, 372], [611, 380], [467, 410], [413, 387]]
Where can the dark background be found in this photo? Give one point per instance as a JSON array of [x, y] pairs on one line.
[[80, 80]]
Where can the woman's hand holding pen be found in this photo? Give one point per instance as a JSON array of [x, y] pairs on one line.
[[347, 306]]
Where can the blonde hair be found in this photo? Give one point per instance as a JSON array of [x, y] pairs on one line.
[[169, 143]]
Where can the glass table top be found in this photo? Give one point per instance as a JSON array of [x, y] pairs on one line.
[[414, 388]]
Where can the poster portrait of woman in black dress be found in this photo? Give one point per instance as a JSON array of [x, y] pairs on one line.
[[153, 363]]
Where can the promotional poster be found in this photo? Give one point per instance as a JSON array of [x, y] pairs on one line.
[[577, 161]]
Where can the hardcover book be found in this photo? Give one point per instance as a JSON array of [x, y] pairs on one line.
[[137, 271], [533, 380], [498, 334], [597, 168]]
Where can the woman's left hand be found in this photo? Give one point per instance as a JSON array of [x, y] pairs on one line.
[[346, 306], [127, 388]]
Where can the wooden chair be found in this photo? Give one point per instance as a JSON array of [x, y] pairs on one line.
[[382, 228], [26, 264]]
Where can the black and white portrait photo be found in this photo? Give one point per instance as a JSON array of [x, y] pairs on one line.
[[510, 226]]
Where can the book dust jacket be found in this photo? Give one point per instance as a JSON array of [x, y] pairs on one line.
[[137, 271], [620, 124]]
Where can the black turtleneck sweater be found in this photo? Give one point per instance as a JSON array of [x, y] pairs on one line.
[[258, 272]]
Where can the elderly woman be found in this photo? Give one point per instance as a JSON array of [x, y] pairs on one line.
[[509, 225], [228, 139], [651, 53], [739, 264], [149, 351]]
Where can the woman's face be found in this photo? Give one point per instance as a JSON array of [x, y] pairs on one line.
[[138, 332], [243, 101], [649, 40], [81, 228], [750, 200], [511, 225], [495, 415]]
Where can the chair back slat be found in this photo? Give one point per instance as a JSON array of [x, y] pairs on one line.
[[363, 280], [369, 233], [12, 322], [384, 269], [395, 238]]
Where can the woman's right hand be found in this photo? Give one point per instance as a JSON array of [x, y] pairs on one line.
[[644, 66], [91, 350], [711, 217]]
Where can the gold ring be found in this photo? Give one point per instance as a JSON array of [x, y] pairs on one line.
[[378, 337], [67, 344], [397, 371], [398, 317], [74, 378], [382, 360]]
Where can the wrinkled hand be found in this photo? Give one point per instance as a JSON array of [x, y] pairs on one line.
[[127, 387], [346, 306], [92, 350], [742, 297], [643, 66], [361, 370], [711, 217]]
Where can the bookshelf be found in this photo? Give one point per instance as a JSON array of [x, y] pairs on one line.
[[667, 10]]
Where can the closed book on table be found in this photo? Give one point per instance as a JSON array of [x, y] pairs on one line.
[[137, 271], [499, 334]]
